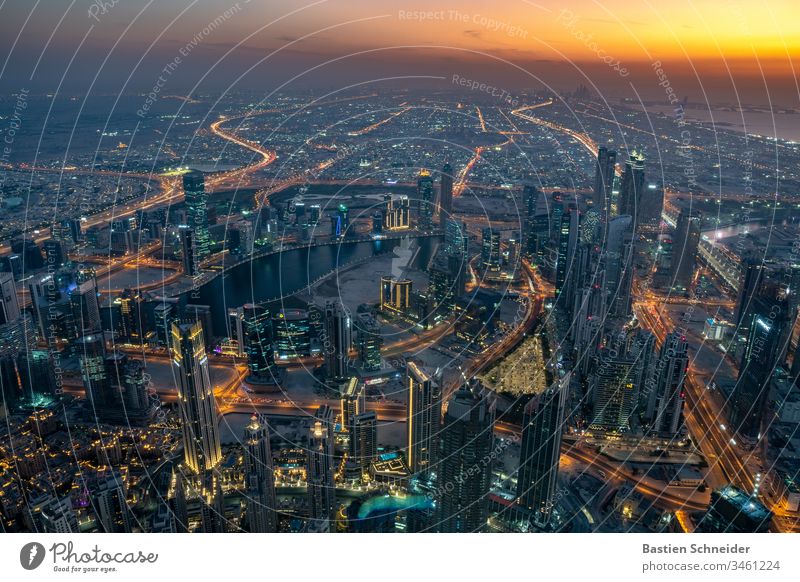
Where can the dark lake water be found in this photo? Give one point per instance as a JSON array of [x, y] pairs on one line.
[[284, 274]]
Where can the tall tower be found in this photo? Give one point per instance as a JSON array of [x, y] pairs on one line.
[[490, 249], [632, 187], [321, 486], [365, 439], [256, 328], [604, 180], [446, 194], [352, 403], [423, 417], [196, 402], [85, 308], [618, 260], [613, 392], [197, 212], [467, 441], [542, 426], [684, 255], [567, 244], [425, 198], [337, 342], [259, 478], [97, 384], [190, 260], [671, 366], [769, 317]]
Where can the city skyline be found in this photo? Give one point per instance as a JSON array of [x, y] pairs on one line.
[[381, 268]]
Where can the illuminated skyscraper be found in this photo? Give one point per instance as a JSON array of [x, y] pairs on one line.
[[196, 402], [632, 187], [364, 439], [197, 211], [467, 441], [425, 198], [542, 426], [604, 180], [618, 262], [490, 249], [338, 340], [369, 342], [97, 385], [353, 403], [769, 317], [259, 478], [319, 471], [613, 392], [423, 418], [256, 327], [684, 250], [395, 295], [85, 307], [396, 212], [190, 260], [446, 194], [670, 373], [567, 245]]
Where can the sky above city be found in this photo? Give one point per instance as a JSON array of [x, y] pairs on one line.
[[740, 47]]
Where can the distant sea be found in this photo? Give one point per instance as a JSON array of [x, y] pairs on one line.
[[764, 123]]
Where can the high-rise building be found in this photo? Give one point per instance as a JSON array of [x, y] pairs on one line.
[[262, 515], [338, 340], [446, 194], [670, 373], [190, 259], [108, 495], [613, 392], [651, 206], [85, 308], [319, 471], [632, 187], [684, 255], [352, 402], [542, 426], [197, 212], [9, 305], [604, 180], [395, 295], [769, 318], [340, 222], [618, 261], [196, 402], [751, 282], [396, 212], [364, 439], [369, 342], [423, 418], [467, 441], [734, 511], [36, 375], [58, 516], [292, 333], [456, 238], [97, 385], [567, 245], [256, 328], [132, 321], [490, 249], [425, 198]]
